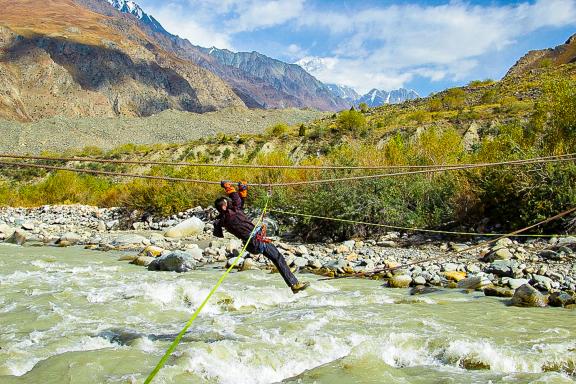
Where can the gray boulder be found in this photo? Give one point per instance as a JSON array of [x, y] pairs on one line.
[[70, 237], [560, 299], [19, 237], [190, 227], [542, 282], [6, 231], [498, 254], [498, 291], [129, 240], [528, 296], [400, 281], [516, 283], [550, 255], [502, 268], [473, 282], [176, 261]]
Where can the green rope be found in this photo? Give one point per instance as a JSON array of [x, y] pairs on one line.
[[197, 312]]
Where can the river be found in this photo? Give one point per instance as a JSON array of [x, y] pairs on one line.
[[69, 315]]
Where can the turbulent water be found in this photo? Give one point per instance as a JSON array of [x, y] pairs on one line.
[[76, 316]]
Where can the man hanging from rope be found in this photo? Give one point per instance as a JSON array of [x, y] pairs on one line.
[[232, 218]]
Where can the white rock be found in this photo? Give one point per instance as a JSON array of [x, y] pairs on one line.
[[192, 226]]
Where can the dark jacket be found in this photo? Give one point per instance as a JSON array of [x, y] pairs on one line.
[[234, 220]]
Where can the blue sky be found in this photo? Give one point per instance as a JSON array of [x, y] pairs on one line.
[[425, 45]]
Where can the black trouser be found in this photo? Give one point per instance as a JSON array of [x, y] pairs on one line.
[[272, 253]]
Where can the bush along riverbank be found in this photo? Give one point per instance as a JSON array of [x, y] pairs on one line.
[[533, 272]]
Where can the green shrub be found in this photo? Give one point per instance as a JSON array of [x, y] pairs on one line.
[[351, 121], [277, 130], [454, 98]]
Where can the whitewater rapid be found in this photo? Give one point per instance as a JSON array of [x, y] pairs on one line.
[[71, 315]]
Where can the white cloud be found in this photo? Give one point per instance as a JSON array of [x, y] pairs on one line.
[[399, 42], [257, 14], [214, 22], [199, 29]]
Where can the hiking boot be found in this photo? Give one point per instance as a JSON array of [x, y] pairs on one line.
[[299, 286]]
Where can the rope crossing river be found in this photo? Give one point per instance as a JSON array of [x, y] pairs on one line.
[[212, 291]]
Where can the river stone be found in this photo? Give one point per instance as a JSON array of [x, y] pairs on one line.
[[248, 264], [337, 265], [6, 230], [314, 264], [301, 250], [64, 243], [560, 299], [112, 224], [190, 227], [176, 261], [473, 282], [400, 281], [419, 280], [152, 251], [569, 241], [143, 261], [504, 242], [127, 257], [28, 225], [458, 247], [502, 268], [454, 275], [542, 282], [498, 291], [70, 237], [449, 267], [197, 253], [386, 244], [550, 255], [300, 262], [498, 254], [517, 283], [349, 243], [528, 296], [422, 290], [127, 240], [19, 237]]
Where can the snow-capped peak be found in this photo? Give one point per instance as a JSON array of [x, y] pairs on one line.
[[127, 6], [131, 7]]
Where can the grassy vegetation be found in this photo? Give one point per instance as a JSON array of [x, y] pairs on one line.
[[422, 132]]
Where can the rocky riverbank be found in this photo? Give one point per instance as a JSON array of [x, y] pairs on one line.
[[535, 272]]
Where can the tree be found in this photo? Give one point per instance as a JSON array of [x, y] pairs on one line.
[[302, 130], [351, 121], [363, 107]]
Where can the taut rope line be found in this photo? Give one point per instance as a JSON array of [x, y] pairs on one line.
[[258, 166], [295, 183], [199, 309]]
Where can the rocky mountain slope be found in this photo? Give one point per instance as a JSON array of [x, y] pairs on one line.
[[260, 81], [562, 54], [52, 64]]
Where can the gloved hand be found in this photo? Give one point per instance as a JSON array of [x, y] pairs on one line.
[[227, 185], [243, 189]]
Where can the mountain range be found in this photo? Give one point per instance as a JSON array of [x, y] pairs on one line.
[[374, 98], [113, 59]]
